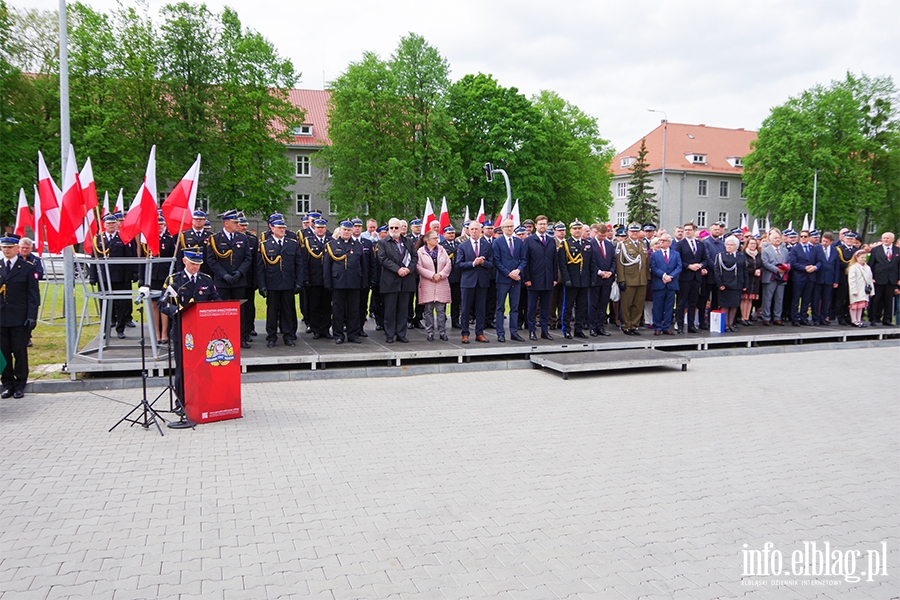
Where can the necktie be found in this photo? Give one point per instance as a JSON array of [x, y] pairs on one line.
[[476, 249], [888, 252], [603, 249], [666, 256], [511, 247], [806, 250], [693, 247], [544, 240]]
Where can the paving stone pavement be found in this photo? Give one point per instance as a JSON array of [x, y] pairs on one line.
[[514, 484]]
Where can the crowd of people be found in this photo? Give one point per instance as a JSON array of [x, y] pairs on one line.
[[534, 278]]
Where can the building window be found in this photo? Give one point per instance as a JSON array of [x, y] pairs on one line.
[[723, 189], [332, 209], [620, 218], [701, 188], [735, 161], [621, 189], [723, 218], [302, 165], [701, 218], [697, 159], [302, 204], [627, 162], [743, 193], [872, 227], [303, 130]]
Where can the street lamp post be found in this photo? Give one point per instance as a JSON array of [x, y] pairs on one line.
[[662, 199], [815, 189]]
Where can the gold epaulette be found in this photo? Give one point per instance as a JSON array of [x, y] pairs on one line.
[[97, 250], [331, 254], [265, 257], [228, 254], [310, 250], [572, 260]]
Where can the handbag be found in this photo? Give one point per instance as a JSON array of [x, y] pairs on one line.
[[622, 285], [868, 290]]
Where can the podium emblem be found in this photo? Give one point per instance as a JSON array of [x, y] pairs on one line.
[[189, 341], [219, 351]]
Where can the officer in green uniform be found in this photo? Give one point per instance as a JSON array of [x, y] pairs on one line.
[[632, 273]]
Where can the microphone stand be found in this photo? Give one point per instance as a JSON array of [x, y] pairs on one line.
[[176, 406]]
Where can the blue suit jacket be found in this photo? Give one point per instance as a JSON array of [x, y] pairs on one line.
[[472, 275], [540, 262], [799, 262], [683, 247], [829, 273], [659, 267], [506, 262]]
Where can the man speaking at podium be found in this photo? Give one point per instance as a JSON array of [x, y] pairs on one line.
[[181, 289]]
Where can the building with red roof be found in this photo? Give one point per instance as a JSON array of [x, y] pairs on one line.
[[704, 166], [310, 182]]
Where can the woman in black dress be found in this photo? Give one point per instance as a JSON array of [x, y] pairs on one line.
[[753, 262], [731, 274]]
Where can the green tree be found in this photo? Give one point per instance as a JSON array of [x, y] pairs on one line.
[[641, 204], [849, 132], [578, 163], [501, 126]]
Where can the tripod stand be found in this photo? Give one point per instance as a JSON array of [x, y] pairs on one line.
[[146, 414], [176, 406]]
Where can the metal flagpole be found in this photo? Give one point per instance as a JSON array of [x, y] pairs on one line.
[[64, 136]]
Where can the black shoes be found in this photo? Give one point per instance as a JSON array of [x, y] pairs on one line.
[[245, 344], [271, 343], [501, 339], [6, 393], [580, 335], [289, 342], [18, 395], [121, 335], [567, 335], [546, 336], [516, 337], [532, 336], [402, 340]]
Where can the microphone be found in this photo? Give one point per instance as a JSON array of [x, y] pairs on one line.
[[143, 294]]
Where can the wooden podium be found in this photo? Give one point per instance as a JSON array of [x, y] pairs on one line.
[[210, 348]]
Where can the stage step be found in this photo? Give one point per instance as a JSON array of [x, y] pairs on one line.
[[584, 362]]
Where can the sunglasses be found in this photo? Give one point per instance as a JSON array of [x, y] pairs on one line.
[[803, 236], [393, 228]]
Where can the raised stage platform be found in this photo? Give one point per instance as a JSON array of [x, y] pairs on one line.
[[122, 357]]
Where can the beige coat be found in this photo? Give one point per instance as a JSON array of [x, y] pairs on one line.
[[858, 276]]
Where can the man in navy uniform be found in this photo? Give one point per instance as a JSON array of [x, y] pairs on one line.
[[278, 276], [540, 276], [345, 276], [318, 296], [195, 237], [578, 273], [604, 257], [108, 244], [368, 247], [230, 259], [19, 300], [474, 259], [248, 308], [509, 260], [451, 244]]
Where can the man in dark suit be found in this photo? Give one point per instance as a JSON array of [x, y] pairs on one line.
[[665, 267], [509, 260], [398, 264], [604, 257], [805, 261], [451, 244], [690, 281], [370, 264], [826, 280], [318, 297], [474, 259], [579, 275], [248, 308], [346, 275], [195, 237], [278, 276], [119, 278], [540, 276], [230, 258], [19, 300], [885, 264]]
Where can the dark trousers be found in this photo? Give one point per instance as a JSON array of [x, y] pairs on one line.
[[248, 310], [363, 306], [345, 309], [821, 302], [377, 307], [121, 309], [787, 309], [841, 300], [455, 302], [513, 291], [687, 296], [709, 291], [598, 304], [236, 293], [543, 297], [396, 307], [523, 306], [576, 301], [416, 311], [14, 345], [801, 300], [318, 304], [555, 309], [663, 303], [303, 298], [882, 306], [491, 299], [281, 314], [474, 299]]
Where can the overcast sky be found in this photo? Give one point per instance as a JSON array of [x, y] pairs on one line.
[[721, 63]]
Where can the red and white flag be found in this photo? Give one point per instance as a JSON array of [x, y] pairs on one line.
[[178, 208], [23, 215], [89, 195], [46, 209], [504, 213], [514, 214], [466, 219], [445, 214], [744, 227], [120, 203], [72, 209], [428, 215], [105, 204], [142, 217], [480, 216]]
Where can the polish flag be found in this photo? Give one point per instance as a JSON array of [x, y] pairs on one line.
[[46, 209], [445, 214], [480, 216], [428, 216], [72, 210], [744, 227], [120, 203], [23, 215], [514, 214], [89, 194], [466, 219], [504, 213], [178, 208], [105, 204], [755, 231], [805, 222], [142, 217]]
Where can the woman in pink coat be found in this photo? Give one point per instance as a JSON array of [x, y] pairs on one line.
[[434, 290]]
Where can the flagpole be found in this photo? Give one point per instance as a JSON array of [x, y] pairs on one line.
[[64, 137]]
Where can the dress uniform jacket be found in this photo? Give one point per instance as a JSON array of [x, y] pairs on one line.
[[201, 290], [313, 261], [114, 247], [368, 248], [451, 248], [288, 234], [345, 265], [229, 257], [191, 239], [19, 293], [159, 271], [576, 261], [637, 273], [278, 265]]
